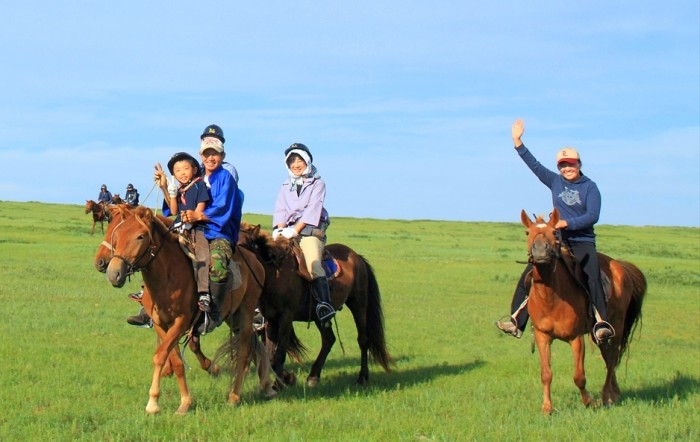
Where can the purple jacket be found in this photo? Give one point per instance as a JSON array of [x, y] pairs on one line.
[[306, 207]]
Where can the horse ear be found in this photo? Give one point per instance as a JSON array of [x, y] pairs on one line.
[[256, 230], [527, 222], [554, 217]]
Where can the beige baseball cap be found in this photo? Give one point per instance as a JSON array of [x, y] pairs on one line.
[[568, 155], [211, 143]]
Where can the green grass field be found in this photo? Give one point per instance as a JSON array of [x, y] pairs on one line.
[[72, 369]]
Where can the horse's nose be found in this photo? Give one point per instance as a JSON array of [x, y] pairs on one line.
[[540, 249], [101, 265]]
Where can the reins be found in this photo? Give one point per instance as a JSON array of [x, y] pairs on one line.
[[131, 267]]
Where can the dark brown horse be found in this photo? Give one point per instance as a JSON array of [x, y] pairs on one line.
[[99, 214], [558, 306], [138, 240], [285, 299], [116, 199]]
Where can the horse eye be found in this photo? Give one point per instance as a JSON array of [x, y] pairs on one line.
[[140, 237]]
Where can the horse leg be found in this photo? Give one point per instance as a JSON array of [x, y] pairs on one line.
[[611, 390], [261, 359], [578, 348], [544, 343], [242, 361], [327, 341], [250, 348], [207, 364], [278, 335], [362, 341], [163, 353]]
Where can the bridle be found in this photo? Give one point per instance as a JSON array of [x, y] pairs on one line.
[[556, 254], [132, 267]]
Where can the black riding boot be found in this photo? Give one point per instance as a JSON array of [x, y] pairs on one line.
[[218, 295], [324, 309]]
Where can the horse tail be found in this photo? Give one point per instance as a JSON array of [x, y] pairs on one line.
[[375, 321], [638, 288], [296, 349]]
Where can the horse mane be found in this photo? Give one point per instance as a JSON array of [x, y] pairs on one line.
[[147, 219], [270, 250]]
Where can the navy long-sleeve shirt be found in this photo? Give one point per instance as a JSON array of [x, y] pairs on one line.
[[578, 202]]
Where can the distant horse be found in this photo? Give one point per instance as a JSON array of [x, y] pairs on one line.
[[138, 240], [116, 199], [286, 299], [99, 213], [559, 307]]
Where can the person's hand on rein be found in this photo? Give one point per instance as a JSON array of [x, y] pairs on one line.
[[190, 216]]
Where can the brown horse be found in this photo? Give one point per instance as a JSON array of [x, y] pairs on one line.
[[558, 306], [99, 214], [138, 240], [116, 199], [285, 299]]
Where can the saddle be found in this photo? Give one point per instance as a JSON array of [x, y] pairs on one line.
[[186, 240], [330, 264], [575, 270]]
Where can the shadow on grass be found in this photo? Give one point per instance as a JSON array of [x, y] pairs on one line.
[[343, 380], [679, 388]]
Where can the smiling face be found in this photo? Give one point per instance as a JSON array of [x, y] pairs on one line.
[[296, 164], [183, 171], [211, 160], [570, 170]]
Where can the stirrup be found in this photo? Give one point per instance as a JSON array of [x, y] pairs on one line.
[[204, 303], [602, 325], [324, 311], [206, 325]]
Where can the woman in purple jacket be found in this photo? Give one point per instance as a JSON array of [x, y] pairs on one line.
[[299, 213], [578, 200]]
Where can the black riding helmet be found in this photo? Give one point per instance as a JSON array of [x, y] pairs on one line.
[[298, 146], [182, 156], [213, 131]]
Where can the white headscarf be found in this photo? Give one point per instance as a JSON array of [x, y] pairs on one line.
[[310, 170]]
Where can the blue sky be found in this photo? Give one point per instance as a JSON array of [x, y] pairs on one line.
[[406, 105]]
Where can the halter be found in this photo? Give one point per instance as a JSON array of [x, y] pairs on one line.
[[557, 250], [153, 249]]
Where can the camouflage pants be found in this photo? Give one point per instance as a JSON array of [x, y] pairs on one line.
[[221, 253]]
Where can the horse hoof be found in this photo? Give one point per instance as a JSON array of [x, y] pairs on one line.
[[182, 410], [270, 394], [214, 370], [312, 381], [289, 378], [234, 399]]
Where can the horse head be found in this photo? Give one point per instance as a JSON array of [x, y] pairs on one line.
[[89, 206], [105, 250], [541, 237], [131, 242], [261, 243]]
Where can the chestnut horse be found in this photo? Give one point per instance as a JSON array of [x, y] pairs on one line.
[[286, 299], [138, 240], [559, 307], [99, 213]]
